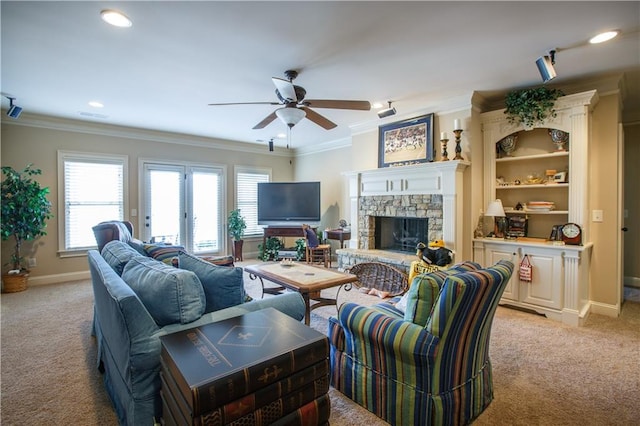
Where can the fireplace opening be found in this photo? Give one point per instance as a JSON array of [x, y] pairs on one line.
[[400, 233]]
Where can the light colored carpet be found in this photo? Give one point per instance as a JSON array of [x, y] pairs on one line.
[[544, 372]]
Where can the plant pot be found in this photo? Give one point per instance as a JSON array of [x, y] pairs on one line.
[[13, 283], [237, 250]]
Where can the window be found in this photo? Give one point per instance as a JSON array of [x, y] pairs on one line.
[[93, 191], [183, 204], [247, 196]]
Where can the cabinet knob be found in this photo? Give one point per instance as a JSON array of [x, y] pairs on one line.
[[625, 229]]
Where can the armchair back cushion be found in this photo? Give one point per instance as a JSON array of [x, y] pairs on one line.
[[112, 230], [425, 289]]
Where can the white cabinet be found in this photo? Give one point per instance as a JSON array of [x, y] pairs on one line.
[[560, 286]]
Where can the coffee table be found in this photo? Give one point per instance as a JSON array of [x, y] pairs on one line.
[[306, 279]]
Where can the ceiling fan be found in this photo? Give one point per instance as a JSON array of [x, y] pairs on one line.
[[296, 107]]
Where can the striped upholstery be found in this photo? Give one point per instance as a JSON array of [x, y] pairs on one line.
[[409, 374]]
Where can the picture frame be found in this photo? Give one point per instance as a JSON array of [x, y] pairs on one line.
[[406, 142], [560, 177]]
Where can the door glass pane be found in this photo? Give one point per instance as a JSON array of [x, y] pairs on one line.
[[165, 205], [206, 211]]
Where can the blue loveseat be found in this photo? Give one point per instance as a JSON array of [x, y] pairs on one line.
[[138, 299]]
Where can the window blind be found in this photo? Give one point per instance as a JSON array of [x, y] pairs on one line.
[[247, 198]]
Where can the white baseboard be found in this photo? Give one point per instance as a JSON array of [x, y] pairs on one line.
[[59, 278], [605, 309]]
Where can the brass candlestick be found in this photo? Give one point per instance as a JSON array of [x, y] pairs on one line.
[[445, 154], [458, 132]]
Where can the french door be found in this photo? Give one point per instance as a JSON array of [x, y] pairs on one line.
[[183, 205]]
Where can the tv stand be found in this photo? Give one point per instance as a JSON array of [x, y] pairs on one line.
[[283, 231]]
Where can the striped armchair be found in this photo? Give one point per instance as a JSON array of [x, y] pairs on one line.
[[408, 371]]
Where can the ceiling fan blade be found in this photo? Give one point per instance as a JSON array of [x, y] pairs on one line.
[[247, 103], [286, 89], [338, 104], [319, 119], [268, 119]]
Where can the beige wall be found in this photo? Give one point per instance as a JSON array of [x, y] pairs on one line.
[[632, 203], [603, 192], [22, 145]]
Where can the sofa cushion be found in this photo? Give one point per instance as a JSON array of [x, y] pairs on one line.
[[163, 252], [117, 254], [223, 285], [137, 246], [170, 295]]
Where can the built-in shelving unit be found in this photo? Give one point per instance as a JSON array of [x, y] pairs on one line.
[[560, 285]]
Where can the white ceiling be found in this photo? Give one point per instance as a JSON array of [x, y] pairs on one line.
[[179, 56]]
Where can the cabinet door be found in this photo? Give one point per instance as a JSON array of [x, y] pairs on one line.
[[548, 277], [497, 253]]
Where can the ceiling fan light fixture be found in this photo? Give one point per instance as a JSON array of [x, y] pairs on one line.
[[602, 37], [290, 115], [115, 18]]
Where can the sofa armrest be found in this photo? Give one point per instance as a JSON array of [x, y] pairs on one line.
[[391, 346]]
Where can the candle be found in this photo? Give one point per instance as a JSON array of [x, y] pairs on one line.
[[456, 124], [443, 136]]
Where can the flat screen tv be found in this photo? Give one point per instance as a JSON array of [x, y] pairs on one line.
[[288, 203]]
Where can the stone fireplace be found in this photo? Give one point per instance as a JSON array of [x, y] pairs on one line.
[[430, 193]]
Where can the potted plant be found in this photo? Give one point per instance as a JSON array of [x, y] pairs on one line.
[[236, 225], [25, 210], [531, 106]]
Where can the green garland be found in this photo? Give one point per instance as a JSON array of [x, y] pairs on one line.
[[531, 106]]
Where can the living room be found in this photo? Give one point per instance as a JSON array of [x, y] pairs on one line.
[[38, 138]]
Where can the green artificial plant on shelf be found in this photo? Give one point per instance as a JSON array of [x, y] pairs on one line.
[[531, 106], [25, 210]]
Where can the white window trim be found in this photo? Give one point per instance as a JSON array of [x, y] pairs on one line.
[[61, 219], [248, 169], [141, 190]]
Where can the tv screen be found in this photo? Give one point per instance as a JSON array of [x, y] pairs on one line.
[[288, 203]]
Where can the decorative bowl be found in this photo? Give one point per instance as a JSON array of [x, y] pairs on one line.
[[508, 144], [559, 138]]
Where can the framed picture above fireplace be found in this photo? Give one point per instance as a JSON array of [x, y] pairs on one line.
[[406, 142]]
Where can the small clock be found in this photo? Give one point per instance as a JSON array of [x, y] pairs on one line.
[[571, 233]]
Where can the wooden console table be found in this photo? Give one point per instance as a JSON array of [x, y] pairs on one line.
[[338, 234], [282, 231]]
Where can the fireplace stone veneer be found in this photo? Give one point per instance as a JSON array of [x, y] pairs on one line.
[[429, 190]]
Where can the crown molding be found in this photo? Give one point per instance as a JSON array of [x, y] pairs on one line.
[[76, 126]]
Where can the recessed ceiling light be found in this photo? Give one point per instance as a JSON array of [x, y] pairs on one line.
[[377, 105], [602, 37], [281, 135], [115, 18], [96, 104]]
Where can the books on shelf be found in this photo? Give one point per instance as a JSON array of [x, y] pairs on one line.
[[218, 363]]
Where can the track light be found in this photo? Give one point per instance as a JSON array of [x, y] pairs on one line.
[[387, 112], [14, 111], [290, 115], [271, 145], [545, 66]]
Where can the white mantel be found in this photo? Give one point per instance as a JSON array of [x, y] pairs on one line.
[[444, 177]]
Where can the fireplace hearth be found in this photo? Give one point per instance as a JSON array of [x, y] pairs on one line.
[[400, 234]]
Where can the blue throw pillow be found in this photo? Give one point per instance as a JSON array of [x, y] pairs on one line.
[[117, 254], [170, 295], [223, 285]]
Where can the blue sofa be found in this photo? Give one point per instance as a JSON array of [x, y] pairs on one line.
[[138, 299]]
